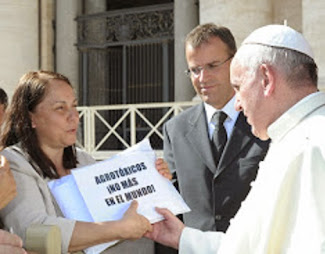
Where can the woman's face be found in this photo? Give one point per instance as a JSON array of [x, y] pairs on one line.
[[56, 118]]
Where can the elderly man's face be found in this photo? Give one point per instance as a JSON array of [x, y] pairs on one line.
[[250, 98]]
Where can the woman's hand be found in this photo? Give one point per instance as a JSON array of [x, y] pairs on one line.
[[163, 168], [134, 225]]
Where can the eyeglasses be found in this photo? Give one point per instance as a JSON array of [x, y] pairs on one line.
[[196, 71]]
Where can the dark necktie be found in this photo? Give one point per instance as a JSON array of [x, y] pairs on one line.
[[219, 138]]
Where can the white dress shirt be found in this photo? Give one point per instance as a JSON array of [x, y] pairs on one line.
[[230, 121]]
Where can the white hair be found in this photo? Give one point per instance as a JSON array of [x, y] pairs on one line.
[[295, 66]]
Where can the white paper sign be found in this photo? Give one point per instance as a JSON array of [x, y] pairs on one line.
[[103, 191]]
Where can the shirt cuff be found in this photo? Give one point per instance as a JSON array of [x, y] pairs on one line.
[[194, 241]]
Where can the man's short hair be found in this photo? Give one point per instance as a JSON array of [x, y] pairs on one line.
[[203, 33]]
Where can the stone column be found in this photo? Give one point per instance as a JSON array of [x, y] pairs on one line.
[[289, 11], [67, 60], [185, 19], [19, 47], [95, 6], [313, 24], [96, 57], [46, 35], [241, 17]]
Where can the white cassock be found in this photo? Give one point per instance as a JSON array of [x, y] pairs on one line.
[[284, 212]]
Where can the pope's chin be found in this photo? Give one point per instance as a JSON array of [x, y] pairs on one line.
[[259, 134]]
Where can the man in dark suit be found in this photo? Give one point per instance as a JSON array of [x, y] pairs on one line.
[[212, 184]]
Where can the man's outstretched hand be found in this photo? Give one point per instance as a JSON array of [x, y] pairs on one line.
[[168, 231]]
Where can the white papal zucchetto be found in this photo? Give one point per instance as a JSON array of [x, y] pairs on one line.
[[280, 36]]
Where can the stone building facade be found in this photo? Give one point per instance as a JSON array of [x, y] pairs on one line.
[[43, 34]]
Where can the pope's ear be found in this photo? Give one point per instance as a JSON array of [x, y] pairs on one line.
[[267, 75]]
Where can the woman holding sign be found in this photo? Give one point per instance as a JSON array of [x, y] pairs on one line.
[[39, 142]]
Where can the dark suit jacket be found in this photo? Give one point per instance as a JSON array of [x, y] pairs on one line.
[[213, 193]]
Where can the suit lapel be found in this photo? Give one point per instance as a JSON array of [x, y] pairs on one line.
[[199, 139], [240, 137]]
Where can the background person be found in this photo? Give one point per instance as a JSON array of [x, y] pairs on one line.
[[39, 142], [9, 243], [275, 78], [7, 183], [213, 184], [3, 104]]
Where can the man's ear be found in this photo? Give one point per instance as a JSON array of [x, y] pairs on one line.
[[267, 75]]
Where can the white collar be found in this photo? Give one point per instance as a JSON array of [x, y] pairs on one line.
[[229, 109], [288, 120]]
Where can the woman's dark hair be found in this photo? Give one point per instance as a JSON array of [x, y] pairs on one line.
[[31, 90]]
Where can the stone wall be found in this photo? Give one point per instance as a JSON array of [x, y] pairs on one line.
[[19, 47], [242, 17], [313, 28], [27, 39]]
